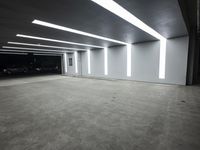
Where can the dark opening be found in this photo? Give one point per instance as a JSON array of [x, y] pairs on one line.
[[12, 64]]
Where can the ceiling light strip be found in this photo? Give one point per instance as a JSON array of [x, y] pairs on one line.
[[13, 53], [33, 49], [27, 51], [118, 10], [54, 40], [47, 46], [51, 25]]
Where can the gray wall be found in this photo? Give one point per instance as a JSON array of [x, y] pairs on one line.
[[145, 62]]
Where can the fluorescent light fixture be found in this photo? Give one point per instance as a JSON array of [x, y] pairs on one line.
[[162, 58], [28, 51], [89, 66], [48, 46], [44, 54], [54, 40], [106, 61], [65, 62], [118, 10], [129, 60], [76, 61], [50, 25], [32, 49], [13, 53]]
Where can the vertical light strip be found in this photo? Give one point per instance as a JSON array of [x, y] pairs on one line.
[[106, 61], [88, 54], [128, 60], [76, 61], [163, 44], [65, 62]]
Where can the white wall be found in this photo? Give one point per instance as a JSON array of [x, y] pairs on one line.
[[176, 62], [145, 62], [97, 62], [71, 69], [117, 62]]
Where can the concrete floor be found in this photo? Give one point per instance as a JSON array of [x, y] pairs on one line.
[[66, 113]]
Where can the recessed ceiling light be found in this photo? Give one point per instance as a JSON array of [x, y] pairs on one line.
[[31, 49], [58, 41], [50, 25], [48, 46], [118, 10], [13, 53], [46, 54], [27, 51]]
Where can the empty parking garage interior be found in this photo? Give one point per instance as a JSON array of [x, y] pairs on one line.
[[99, 75]]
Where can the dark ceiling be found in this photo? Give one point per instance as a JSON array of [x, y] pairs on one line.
[[16, 16]]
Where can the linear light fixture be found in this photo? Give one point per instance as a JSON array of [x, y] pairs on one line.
[[51, 25], [76, 61], [163, 44], [46, 54], [121, 12], [118, 10], [129, 60], [48, 46], [27, 51], [89, 66], [13, 53], [32, 49], [65, 62], [58, 41], [105, 61]]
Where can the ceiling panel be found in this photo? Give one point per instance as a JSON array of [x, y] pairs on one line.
[[16, 17]]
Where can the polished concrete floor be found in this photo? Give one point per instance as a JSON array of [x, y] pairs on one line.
[[66, 113]]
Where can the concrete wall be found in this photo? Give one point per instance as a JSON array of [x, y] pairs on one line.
[[145, 62]]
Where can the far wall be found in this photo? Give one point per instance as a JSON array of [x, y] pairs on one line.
[[145, 62]]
